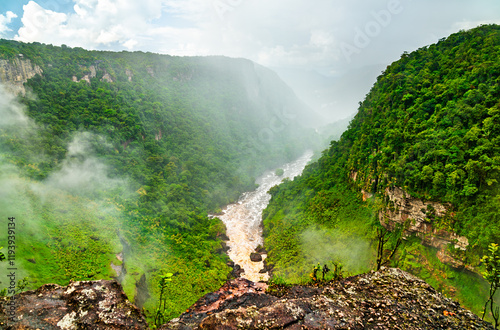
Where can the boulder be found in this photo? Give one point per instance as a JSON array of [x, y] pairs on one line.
[[255, 257]]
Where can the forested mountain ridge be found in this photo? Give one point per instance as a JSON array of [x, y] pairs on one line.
[[113, 160], [429, 126]]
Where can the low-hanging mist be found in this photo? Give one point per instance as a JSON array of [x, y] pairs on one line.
[[65, 229], [328, 246]]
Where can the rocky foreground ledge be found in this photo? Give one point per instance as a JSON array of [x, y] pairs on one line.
[[80, 305], [388, 299]]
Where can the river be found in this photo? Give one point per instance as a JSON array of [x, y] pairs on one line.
[[243, 220]]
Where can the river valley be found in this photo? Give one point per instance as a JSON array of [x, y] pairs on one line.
[[243, 220]]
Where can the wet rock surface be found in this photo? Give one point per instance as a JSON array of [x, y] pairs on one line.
[[388, 299], [255, 257], [237, 270], [80, 305]]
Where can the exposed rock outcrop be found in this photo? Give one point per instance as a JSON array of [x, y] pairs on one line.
[[93, 73], [255, 257], [81, 305], [107, 77], [15, 72], [129, 74], [419, 215], [237, 270], [388, 299]]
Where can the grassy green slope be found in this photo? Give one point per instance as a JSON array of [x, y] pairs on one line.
[[135, 164], [430, 124]]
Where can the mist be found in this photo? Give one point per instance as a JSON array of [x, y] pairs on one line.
[[63, 218], [335, 98], [330, 52], [82, 173], [325, 245]]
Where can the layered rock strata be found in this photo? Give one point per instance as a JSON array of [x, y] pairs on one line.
[[418, 218]]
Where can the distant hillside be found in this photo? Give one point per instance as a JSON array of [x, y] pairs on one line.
[[422, 151], [110, 162]]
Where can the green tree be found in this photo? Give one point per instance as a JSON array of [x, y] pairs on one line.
[[385, 253], [160, 311], [492, 275]]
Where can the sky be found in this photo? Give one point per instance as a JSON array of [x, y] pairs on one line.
[[327, 39]]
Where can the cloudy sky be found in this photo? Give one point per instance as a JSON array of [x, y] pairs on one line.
[[331, 37]]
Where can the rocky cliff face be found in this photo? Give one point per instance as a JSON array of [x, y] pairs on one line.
[[419, 216], [93, 73], [14, 73], [388, 299], [80, 305]]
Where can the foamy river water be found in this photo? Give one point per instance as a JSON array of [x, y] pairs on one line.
[[244, 219]]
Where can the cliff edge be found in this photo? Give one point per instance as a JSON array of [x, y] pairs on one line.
[[80, 305], [387, 299]]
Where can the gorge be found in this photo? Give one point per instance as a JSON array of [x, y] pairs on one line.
[[105, 152], [244, 219]]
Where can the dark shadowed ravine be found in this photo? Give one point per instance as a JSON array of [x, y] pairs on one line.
[[244, 219]]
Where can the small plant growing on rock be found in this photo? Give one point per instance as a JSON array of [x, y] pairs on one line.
[[492, 275], [337, 271], [160, 311], [388, 242], [279, 172], [314, 274], [325, 271]]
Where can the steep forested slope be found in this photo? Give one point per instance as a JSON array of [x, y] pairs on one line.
[[125, 154], [429, 125]]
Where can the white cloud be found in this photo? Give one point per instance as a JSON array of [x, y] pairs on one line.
[[180, 41], [321, 38], [130, 44], [293, 33], [38, 22], [81, 171], [6, 20], [94, 24], [466, 25], [192, 10]]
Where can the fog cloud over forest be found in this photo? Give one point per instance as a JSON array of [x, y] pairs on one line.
[[73, 198], [329, 51]]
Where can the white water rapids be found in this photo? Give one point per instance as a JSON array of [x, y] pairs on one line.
[[243, 220]]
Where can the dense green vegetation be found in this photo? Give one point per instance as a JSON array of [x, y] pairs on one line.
[[129, 152], [430, 125]]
